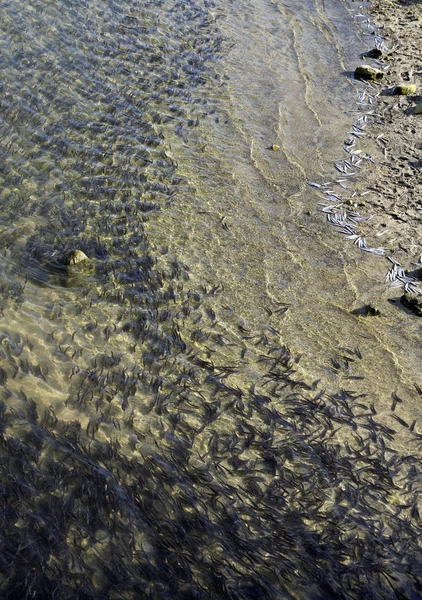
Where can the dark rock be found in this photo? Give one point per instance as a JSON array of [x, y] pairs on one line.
[[369, 73], [374, 53], [413, 302]]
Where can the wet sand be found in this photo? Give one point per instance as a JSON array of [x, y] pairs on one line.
[[395, 179]]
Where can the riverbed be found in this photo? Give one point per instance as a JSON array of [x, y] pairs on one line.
[[196, 410]]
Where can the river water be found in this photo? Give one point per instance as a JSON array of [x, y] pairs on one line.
[[195, 412]]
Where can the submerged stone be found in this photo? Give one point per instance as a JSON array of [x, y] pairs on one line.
[[418, 109], [75, 257], [369, 73], [413, 302]]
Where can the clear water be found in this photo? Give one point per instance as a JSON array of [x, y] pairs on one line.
[[195, 412]]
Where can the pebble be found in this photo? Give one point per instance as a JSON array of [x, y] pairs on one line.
[[365, 72], [405, 89], [75, 257]]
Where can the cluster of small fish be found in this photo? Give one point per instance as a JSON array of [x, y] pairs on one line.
[[210, 486], [398, 278], [372, 31], [347, 221]]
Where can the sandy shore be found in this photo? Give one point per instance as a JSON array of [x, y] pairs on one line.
[[395, 140]]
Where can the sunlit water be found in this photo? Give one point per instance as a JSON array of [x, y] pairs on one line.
[[195, 412]]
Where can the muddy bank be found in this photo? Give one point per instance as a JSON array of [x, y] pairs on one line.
[[395, 140]]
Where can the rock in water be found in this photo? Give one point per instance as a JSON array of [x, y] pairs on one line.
[[75, 257], [418, 109], [369, 73]]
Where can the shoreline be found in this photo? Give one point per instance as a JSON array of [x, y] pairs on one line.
[[380, 174], [395, 138]]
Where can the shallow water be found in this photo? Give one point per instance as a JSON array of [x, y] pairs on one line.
[[195, 412]]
